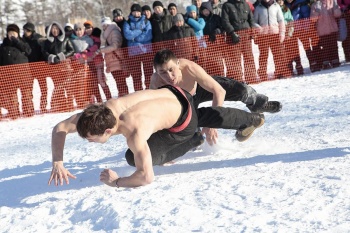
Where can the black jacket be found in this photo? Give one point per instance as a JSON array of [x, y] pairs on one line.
[[14, 52], [34, 43], [182, 41], [213, 24], [160, 25], [55, 45], [236, 15]]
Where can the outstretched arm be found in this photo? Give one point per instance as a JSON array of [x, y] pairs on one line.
[[219, 93], [59, 132]]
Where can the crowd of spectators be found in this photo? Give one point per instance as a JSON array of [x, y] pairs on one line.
[[214, 34]]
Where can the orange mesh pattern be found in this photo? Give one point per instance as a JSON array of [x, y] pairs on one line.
[[34, 88]]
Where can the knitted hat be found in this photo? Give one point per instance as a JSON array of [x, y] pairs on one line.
[[178, 17], [96, 32], [29, 26], [12, 27], [136, 7], [106, 20], [171, 5], [88, 23], [79, 26], [191, 8], [146, 8], [157, 3], [117, 12]]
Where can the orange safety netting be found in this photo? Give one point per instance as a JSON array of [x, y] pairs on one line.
[[33, 88]]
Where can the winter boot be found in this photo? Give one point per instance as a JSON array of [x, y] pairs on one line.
[[259, 102], [245, 133]]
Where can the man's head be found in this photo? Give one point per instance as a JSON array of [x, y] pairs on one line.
[[96, 123], [136, 10], [158, 7], [147, 11], [28, 29], [12, 30], [167, 66], [172, 8]]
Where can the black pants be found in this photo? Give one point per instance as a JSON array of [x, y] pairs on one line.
[[166, 146], [235, 91]]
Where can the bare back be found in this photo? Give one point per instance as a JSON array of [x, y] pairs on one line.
[[146, 111]]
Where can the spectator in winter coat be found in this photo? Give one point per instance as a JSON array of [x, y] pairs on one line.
[[35, 41], [81, 43], [325, 13], [56, 49], [181, 39], [138, 32], [96, 68], [212, 32], [198, 24], [304, 29], [119, 19], [172, 8], [113, 54], [238, 22], [14, 50], [345, 8], [291, 47], [161, 22], [269, 16]]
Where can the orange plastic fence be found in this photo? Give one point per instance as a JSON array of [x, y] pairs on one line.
[[34, 88]]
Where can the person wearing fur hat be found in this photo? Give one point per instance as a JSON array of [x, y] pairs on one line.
[[138, 32], [35, 41], [113, 54], [161, 21], [14, 50], [56, 49]]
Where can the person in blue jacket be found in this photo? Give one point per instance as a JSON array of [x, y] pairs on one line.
[[197, 23], [138, 33]]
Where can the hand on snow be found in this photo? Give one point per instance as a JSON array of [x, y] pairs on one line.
[[59, 173], [109, 177], [211, 135]]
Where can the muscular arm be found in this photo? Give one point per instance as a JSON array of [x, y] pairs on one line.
[[207, 82], [59, 133], [144, 173]]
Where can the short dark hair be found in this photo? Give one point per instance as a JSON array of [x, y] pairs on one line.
[[163, 56], [95, 119]]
